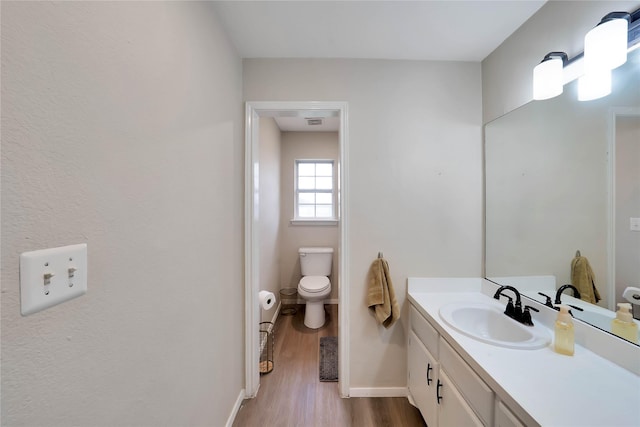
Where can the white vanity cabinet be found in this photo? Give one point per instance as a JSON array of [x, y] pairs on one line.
[[499, 386], [445, 389]]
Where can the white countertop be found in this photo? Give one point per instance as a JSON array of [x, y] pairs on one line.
[[551, 389]]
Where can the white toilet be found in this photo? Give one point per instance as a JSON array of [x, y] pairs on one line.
[[315, 287]]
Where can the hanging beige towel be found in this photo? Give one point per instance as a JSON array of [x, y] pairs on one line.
[[583, 279], [381, 297]]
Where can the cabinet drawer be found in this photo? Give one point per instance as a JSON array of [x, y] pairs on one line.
[[475, 391], [427, 334]]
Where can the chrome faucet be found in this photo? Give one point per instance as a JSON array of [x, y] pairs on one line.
[[516, 312], [562, 288]]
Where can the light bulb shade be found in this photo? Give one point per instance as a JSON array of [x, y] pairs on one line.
[[548, 79], [605, 46], [594, 86]]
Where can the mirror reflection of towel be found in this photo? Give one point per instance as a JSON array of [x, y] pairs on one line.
[[381, 297], [582, 277]]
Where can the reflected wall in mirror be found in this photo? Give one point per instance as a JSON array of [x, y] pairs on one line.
[[561, 176]]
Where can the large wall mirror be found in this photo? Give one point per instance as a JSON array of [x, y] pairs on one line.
[[563, 176]]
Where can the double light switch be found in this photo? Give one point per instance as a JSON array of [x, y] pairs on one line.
[[52, 276]]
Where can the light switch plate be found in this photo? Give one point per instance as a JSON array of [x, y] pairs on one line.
[[51, 276], [634, 224]]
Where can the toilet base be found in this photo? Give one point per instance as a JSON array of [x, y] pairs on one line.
[[314, 317]]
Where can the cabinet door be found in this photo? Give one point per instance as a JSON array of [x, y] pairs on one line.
[[422, 381], [454, 411]]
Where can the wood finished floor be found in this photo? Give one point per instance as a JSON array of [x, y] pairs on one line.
[[292, 394]]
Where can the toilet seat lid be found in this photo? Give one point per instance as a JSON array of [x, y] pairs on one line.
[[314, 283]]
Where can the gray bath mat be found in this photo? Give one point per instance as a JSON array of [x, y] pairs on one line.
[[328, 358]]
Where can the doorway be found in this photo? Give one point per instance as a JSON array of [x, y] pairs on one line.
[[253, 112]]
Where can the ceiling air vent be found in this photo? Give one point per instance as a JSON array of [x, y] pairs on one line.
[[314, 122]]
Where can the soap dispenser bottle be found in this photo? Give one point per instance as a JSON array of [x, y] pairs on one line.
[[623, 325], [563, 342]]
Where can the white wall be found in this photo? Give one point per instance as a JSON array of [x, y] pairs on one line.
[[122, 128], [507, 73], [305, 145], [269, 184], [415, 179]]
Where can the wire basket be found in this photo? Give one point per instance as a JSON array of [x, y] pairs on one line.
[[266, 347]]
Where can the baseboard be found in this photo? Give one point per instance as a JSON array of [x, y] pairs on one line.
[[235, 409], [378, 392]]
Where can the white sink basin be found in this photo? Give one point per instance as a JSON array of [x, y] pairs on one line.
[[488, 323]]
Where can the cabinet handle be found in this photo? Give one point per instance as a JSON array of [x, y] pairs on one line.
[[429, 369], [438, 397]]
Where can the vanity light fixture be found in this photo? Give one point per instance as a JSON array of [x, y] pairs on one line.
[[548, 78], [605, 48]]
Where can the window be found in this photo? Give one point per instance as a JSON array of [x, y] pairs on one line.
[[314, 198]]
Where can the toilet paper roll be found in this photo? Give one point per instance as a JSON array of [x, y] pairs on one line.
[[267, 299], [632, 294]]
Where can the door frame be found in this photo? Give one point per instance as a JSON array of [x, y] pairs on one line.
[[253, 110]]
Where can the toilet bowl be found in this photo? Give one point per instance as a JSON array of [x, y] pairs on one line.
[[314, 290], [314, 286]]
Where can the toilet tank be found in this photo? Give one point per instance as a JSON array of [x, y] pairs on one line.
[[315, 261]]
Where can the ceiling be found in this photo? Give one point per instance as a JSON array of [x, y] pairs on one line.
[[451, 30], [414, 30], [319, 124]]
